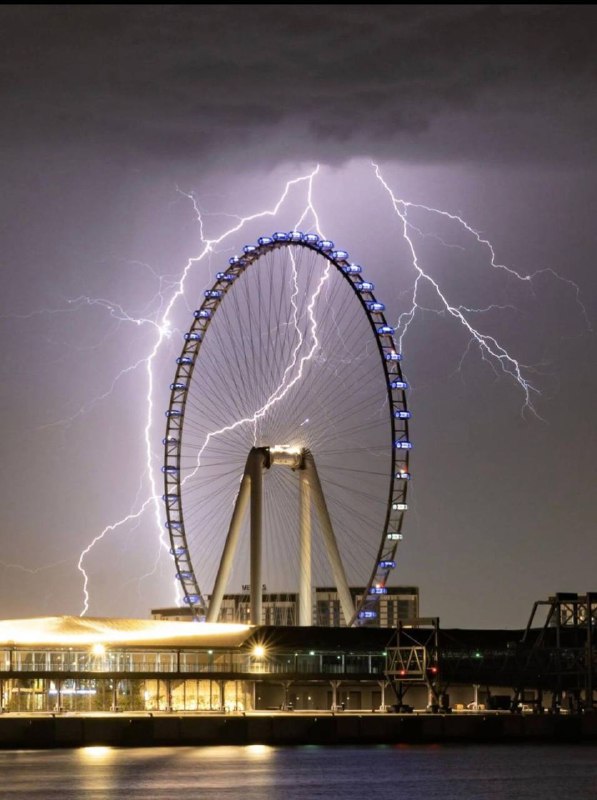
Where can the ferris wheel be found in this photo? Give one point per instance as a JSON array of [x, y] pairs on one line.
[[286, 447]]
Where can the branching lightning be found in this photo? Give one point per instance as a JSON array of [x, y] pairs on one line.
[[491, 350], [161, 325], [163, 331]]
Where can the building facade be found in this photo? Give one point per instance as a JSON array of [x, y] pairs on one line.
[[399, 603]]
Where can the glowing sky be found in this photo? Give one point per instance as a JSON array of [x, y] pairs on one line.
[[485, 111]]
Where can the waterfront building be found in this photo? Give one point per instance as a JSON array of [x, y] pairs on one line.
[[399, 603]]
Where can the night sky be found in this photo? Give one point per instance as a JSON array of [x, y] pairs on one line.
[[113, 115]]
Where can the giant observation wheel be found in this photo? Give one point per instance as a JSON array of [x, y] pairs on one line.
[[286, 447]]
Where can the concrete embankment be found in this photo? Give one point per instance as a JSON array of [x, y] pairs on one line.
[[146, 730]]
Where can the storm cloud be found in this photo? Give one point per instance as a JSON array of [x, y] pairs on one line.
[[484, 82]]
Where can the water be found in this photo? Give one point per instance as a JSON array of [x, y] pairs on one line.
[[258, 772]]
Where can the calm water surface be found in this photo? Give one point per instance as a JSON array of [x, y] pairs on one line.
[[257, 772]]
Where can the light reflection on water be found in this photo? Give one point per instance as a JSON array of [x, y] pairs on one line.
[[260, 772]]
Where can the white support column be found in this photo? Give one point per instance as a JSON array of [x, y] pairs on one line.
[[255, 467], [227, 560], [305, 600], [329, 539]]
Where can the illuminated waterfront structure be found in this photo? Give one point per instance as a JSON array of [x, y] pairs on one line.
[[83, 664]]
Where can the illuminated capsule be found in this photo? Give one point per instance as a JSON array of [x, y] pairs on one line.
[[173, 525], [236, 261], [340, 255], [394, 537], [189, 599], [184, 360], [193, 336], [249, 248], [364, 286], [402, 476], [178, 551], [184, 576], [352, 269], [265, 240], [170, 470], [403, 445], [387, 564], [202, 313], [174, 386], [378, 590], [311, 238], [367, 614], [225, 276], [393, 356], [280, 236], [173, 412], [375, 306], [399, 385], [296, 236], [402, 414], [170, 440], [399, 507], [213, 293], [325, 245], [386, 330], [170, 498]]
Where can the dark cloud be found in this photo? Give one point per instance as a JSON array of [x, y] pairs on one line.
[[431, 82]]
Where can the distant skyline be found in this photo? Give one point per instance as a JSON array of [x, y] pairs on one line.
[[117, 117]]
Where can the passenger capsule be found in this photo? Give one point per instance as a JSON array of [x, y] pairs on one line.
[[173, 525], [170, 498], [296, 236], [399, 507], [399, 385], [375, 306], [180, 386], [378, 590], [340, 255], [265, 240], [386, 330], [189, 599], [395, 537], [225, 276], [280, 236], [170, 470], [202, 313], [364, 286], [170, 440], [193, 336], [213, 293], [178, 551], [352, 269], [184, 576], [325, 245], [387, 564], [367, 614], [402, 476], [249, 248], [173, 412], [236, 261], [403, 445], [184, 360], [402, 414], [311, 238], [392, 355]]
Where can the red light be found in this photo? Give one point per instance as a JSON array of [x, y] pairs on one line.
[[403, 672], [433, 670]]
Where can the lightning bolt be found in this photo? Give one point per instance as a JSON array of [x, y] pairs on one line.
[[490, 348], [163, 328]]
